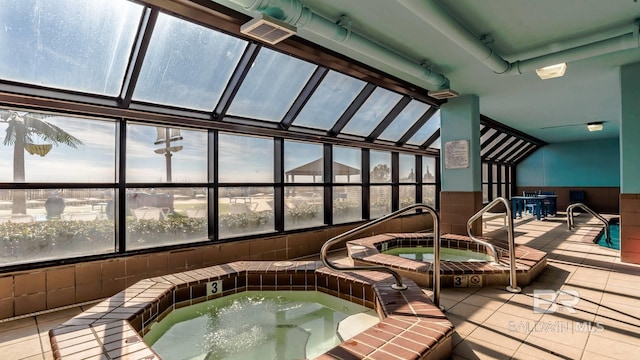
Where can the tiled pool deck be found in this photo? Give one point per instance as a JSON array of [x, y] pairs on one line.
[[490, 323]]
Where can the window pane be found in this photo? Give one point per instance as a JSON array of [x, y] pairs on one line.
[[429, 195], [428, 169], [303, 207], [347, 163], [426, 130], [436, 144], [271, 86], [487, 135], [489, 146], [404, 120], [303, 162], [332, 97], [371, 113], [245, 211], [485, 193], [71, 44], [347, 204], [517, 145], [187, 65], [245, 159], [45, 224], [407, 164], [407, 195], [380, 163], [485, 172], [55, 146], [380, 198], [148, 147], [159, 217]]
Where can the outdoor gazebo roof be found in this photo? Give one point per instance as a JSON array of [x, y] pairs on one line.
[[314, 168]]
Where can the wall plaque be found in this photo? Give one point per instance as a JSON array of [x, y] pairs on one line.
[[456, 154]]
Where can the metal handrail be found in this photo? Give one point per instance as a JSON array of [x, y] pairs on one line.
[[513, 283], [593, 213], [398, 285]]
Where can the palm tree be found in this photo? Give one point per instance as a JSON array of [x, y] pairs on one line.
[[22, 130]]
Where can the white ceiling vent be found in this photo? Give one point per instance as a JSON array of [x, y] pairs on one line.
[[267, 29], [443, 94]]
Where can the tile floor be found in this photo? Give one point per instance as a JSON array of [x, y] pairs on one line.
[[600, 318]]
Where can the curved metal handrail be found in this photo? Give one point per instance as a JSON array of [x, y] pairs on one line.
[[398, 285], [513, 283], [593, 213]]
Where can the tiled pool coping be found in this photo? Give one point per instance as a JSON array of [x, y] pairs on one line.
[[412, 327], [367, 251]]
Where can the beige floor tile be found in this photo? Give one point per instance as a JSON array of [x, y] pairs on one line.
[[496, 336], [18, 335], [498, 293], [15, 324], [483, 301], [21, 350], [538, 352], [612, 348], [462, 326], [471, 312], [588, 355], [59, 315], [478, 349], [524, 312]]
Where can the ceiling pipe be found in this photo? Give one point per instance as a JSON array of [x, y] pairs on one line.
[[435, 16], [298, 15]]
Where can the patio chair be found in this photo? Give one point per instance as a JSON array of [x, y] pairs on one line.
[[197, 213], [148, 213], [530, 206]]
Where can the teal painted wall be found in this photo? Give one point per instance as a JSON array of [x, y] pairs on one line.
[[579, 163], [630, 129]]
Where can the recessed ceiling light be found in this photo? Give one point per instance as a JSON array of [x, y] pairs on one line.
[[551, 71], [595, 126]]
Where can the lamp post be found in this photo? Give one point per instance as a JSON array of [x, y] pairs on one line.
[[165, 137]]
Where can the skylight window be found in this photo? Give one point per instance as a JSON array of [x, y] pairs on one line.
[[377, 106], [271, 86], [187, 65], [403, 122], [332, 97], [425, 132], [68, 44]]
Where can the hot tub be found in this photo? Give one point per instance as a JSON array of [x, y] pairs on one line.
[[464, 263], [115, 327]]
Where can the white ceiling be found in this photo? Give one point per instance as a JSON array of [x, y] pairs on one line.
[[520, 29]]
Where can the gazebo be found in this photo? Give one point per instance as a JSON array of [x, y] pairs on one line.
[[315, 168]]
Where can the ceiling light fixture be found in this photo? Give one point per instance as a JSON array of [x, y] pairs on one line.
[[552, 71], [595, 126]]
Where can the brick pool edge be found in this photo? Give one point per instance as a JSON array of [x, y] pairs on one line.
[[411, 326]]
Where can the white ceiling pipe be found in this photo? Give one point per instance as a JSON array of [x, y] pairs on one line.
[[298, 15], [435, 16]]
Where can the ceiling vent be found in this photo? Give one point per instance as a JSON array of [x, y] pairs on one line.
[[443, 94], [267, 29]]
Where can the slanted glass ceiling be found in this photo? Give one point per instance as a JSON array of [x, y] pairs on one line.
[[500, 144], [141, 56]]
